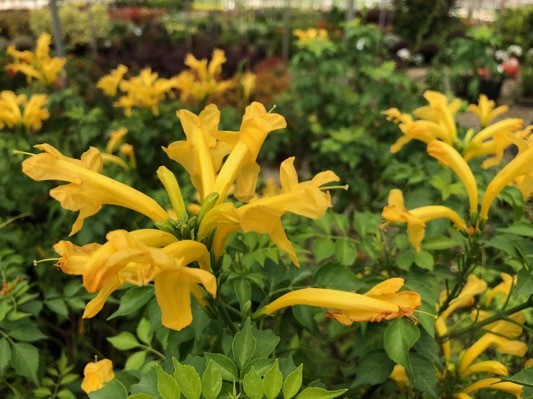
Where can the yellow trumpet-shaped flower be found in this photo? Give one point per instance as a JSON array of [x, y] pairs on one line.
[[37, 65], [109, 83], [520, 166], [382, 302], [139, 257], [416, 218], [502, 290], [449, 156], [202, 79], [87, 190], [96, 374], [19, 111], [502, 336], [263, 215], [310, 34], [440, 112], [115, 137], [486, 111], [490, 383]]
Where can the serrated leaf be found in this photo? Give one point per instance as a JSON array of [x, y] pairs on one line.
[[243, 291], [424, 375], [26, 331], [167, 386], [243, 345], [523, 377], [133, 300], [266, 342], [253, 384], [25, 360], [211, 381], [261, 365], [272, 381], [524, 283], [319, 393], [113, 389], [225, 365], [135, 361], [188, 380], [124, 341], [399, 338], [5, 354], [293, 383]]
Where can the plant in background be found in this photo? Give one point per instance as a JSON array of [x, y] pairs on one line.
[[38, 65]]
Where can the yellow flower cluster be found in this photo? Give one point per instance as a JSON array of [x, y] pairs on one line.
[[462, 364], [21, 112], [37, 65], [310, 34], [146, 90], [220, 163], [436, 127], [203, 79]]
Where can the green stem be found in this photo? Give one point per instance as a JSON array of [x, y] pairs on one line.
[[154, 351], [498, 316], [224, 317]]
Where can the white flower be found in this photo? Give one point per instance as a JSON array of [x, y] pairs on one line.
[[501, 55], [515, 50], [360, 45], [404, 54], [418, 59]]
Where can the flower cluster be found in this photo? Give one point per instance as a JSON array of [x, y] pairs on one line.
[[37, 65], [183, 256], [19, 111], [146, 90], [437, 128], [463, 364]]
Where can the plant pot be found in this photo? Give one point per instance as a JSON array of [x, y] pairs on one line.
[[491, 88]]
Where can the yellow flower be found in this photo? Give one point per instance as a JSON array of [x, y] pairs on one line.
[[416, 219], [38, 65], [202, 80], [139, 257], [310, 34], [495, 131], [485, 110], [502, 290], [382, 302], [110, 83], [115, 138], [440, 112], [248, 80], [399, 376], [490, 383], [19, 111], [96, 375], [449, 156], [87, 190], [520, 166], [263, 215]]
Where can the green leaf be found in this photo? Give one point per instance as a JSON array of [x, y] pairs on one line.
[[253, 385], [225, 365], [424, 376], [266, 342], [42, 392], [521, 228], [211, 381], [141, 396], [143, 331], [524, 283], [523, 377], [65, 394], [167, 386], [319, 393], [188, 380], [335, 276], [323, 248], [124, 341], [405, 259], [26, 331], [424, 260], [113, 389], [133, 300], [25, 360], [345, 251], [136, 361], [399, 337], [272, 381], [243, 291], [261, 365], [59, 306], [373, 368], [436, 243], [243, 345], [292, 383], [5, 354]]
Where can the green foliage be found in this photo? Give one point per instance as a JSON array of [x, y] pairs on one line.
[[514, 26]]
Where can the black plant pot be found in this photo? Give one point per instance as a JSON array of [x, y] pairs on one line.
[[491, 88]]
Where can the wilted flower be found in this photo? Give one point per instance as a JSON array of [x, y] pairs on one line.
[[97, 374]]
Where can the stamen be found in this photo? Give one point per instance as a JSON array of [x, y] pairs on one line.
[[55, 260]]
